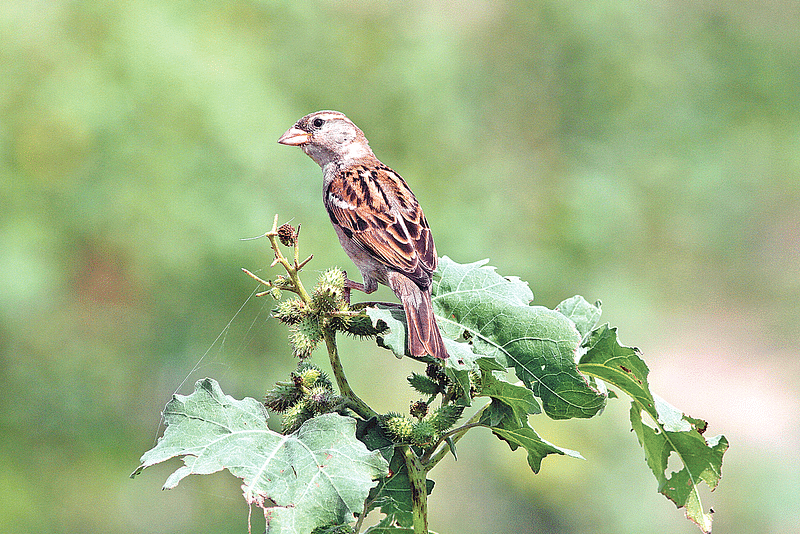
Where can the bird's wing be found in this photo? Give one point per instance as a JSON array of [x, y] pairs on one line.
[[375, 208]]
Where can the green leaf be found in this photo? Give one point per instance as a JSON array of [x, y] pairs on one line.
[[672, 432], [394, 318], [580, 312], [493, 314], [319, 475], [537, 448], [702, 457], [621, 366], [507, 417], [510, 404]]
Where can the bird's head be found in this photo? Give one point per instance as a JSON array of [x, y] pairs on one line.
[[327, 136]]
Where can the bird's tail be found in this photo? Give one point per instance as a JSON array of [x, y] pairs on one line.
[[423, 332]]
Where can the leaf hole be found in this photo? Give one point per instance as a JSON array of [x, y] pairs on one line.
[[674, 464]]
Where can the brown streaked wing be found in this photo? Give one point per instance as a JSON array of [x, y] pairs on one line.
[[399, 236]]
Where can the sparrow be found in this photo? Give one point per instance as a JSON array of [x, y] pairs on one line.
[[377, 218]]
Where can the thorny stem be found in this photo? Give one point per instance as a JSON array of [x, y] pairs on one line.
[[357, 405], [419, 490]]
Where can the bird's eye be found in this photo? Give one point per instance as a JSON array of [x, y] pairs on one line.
[[317, 123]]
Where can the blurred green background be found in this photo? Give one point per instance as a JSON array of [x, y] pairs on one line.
[[645, 154]]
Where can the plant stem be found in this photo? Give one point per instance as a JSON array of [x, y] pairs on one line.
[[291, 268], [458, 433], [358, 405], [419, 490]]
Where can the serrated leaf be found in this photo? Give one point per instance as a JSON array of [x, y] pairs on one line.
[[528, 439], [702, 458], [621, 366], [580, 312], [511, 404], [473, 302], [674, 431], [319, 475], [394, 319]]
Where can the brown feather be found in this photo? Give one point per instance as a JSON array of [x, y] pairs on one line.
[[392, 227], [423, 333]]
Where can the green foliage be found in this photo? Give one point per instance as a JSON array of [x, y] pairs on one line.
[[511, 404], [492, 314], [672, 430], [392, 495], [563, 360], [318, 476]]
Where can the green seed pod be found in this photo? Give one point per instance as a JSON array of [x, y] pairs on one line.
[[437, 374], [338, 324], [332, 278], [444, 417], [328, 294], [321, 400], [308, 375], [282, 397], [291, 311], [423, 384], [296, 416], [423, 434], [361, 326], [305, 336], [398, 427]]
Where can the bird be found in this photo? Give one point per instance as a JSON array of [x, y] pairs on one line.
[[378, 220]]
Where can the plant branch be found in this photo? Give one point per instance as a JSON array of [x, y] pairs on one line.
[[419, 490], [360, 521], [357, 405], [292, 268], [457, 433]]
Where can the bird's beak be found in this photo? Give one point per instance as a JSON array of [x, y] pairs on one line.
[[295, 137]]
